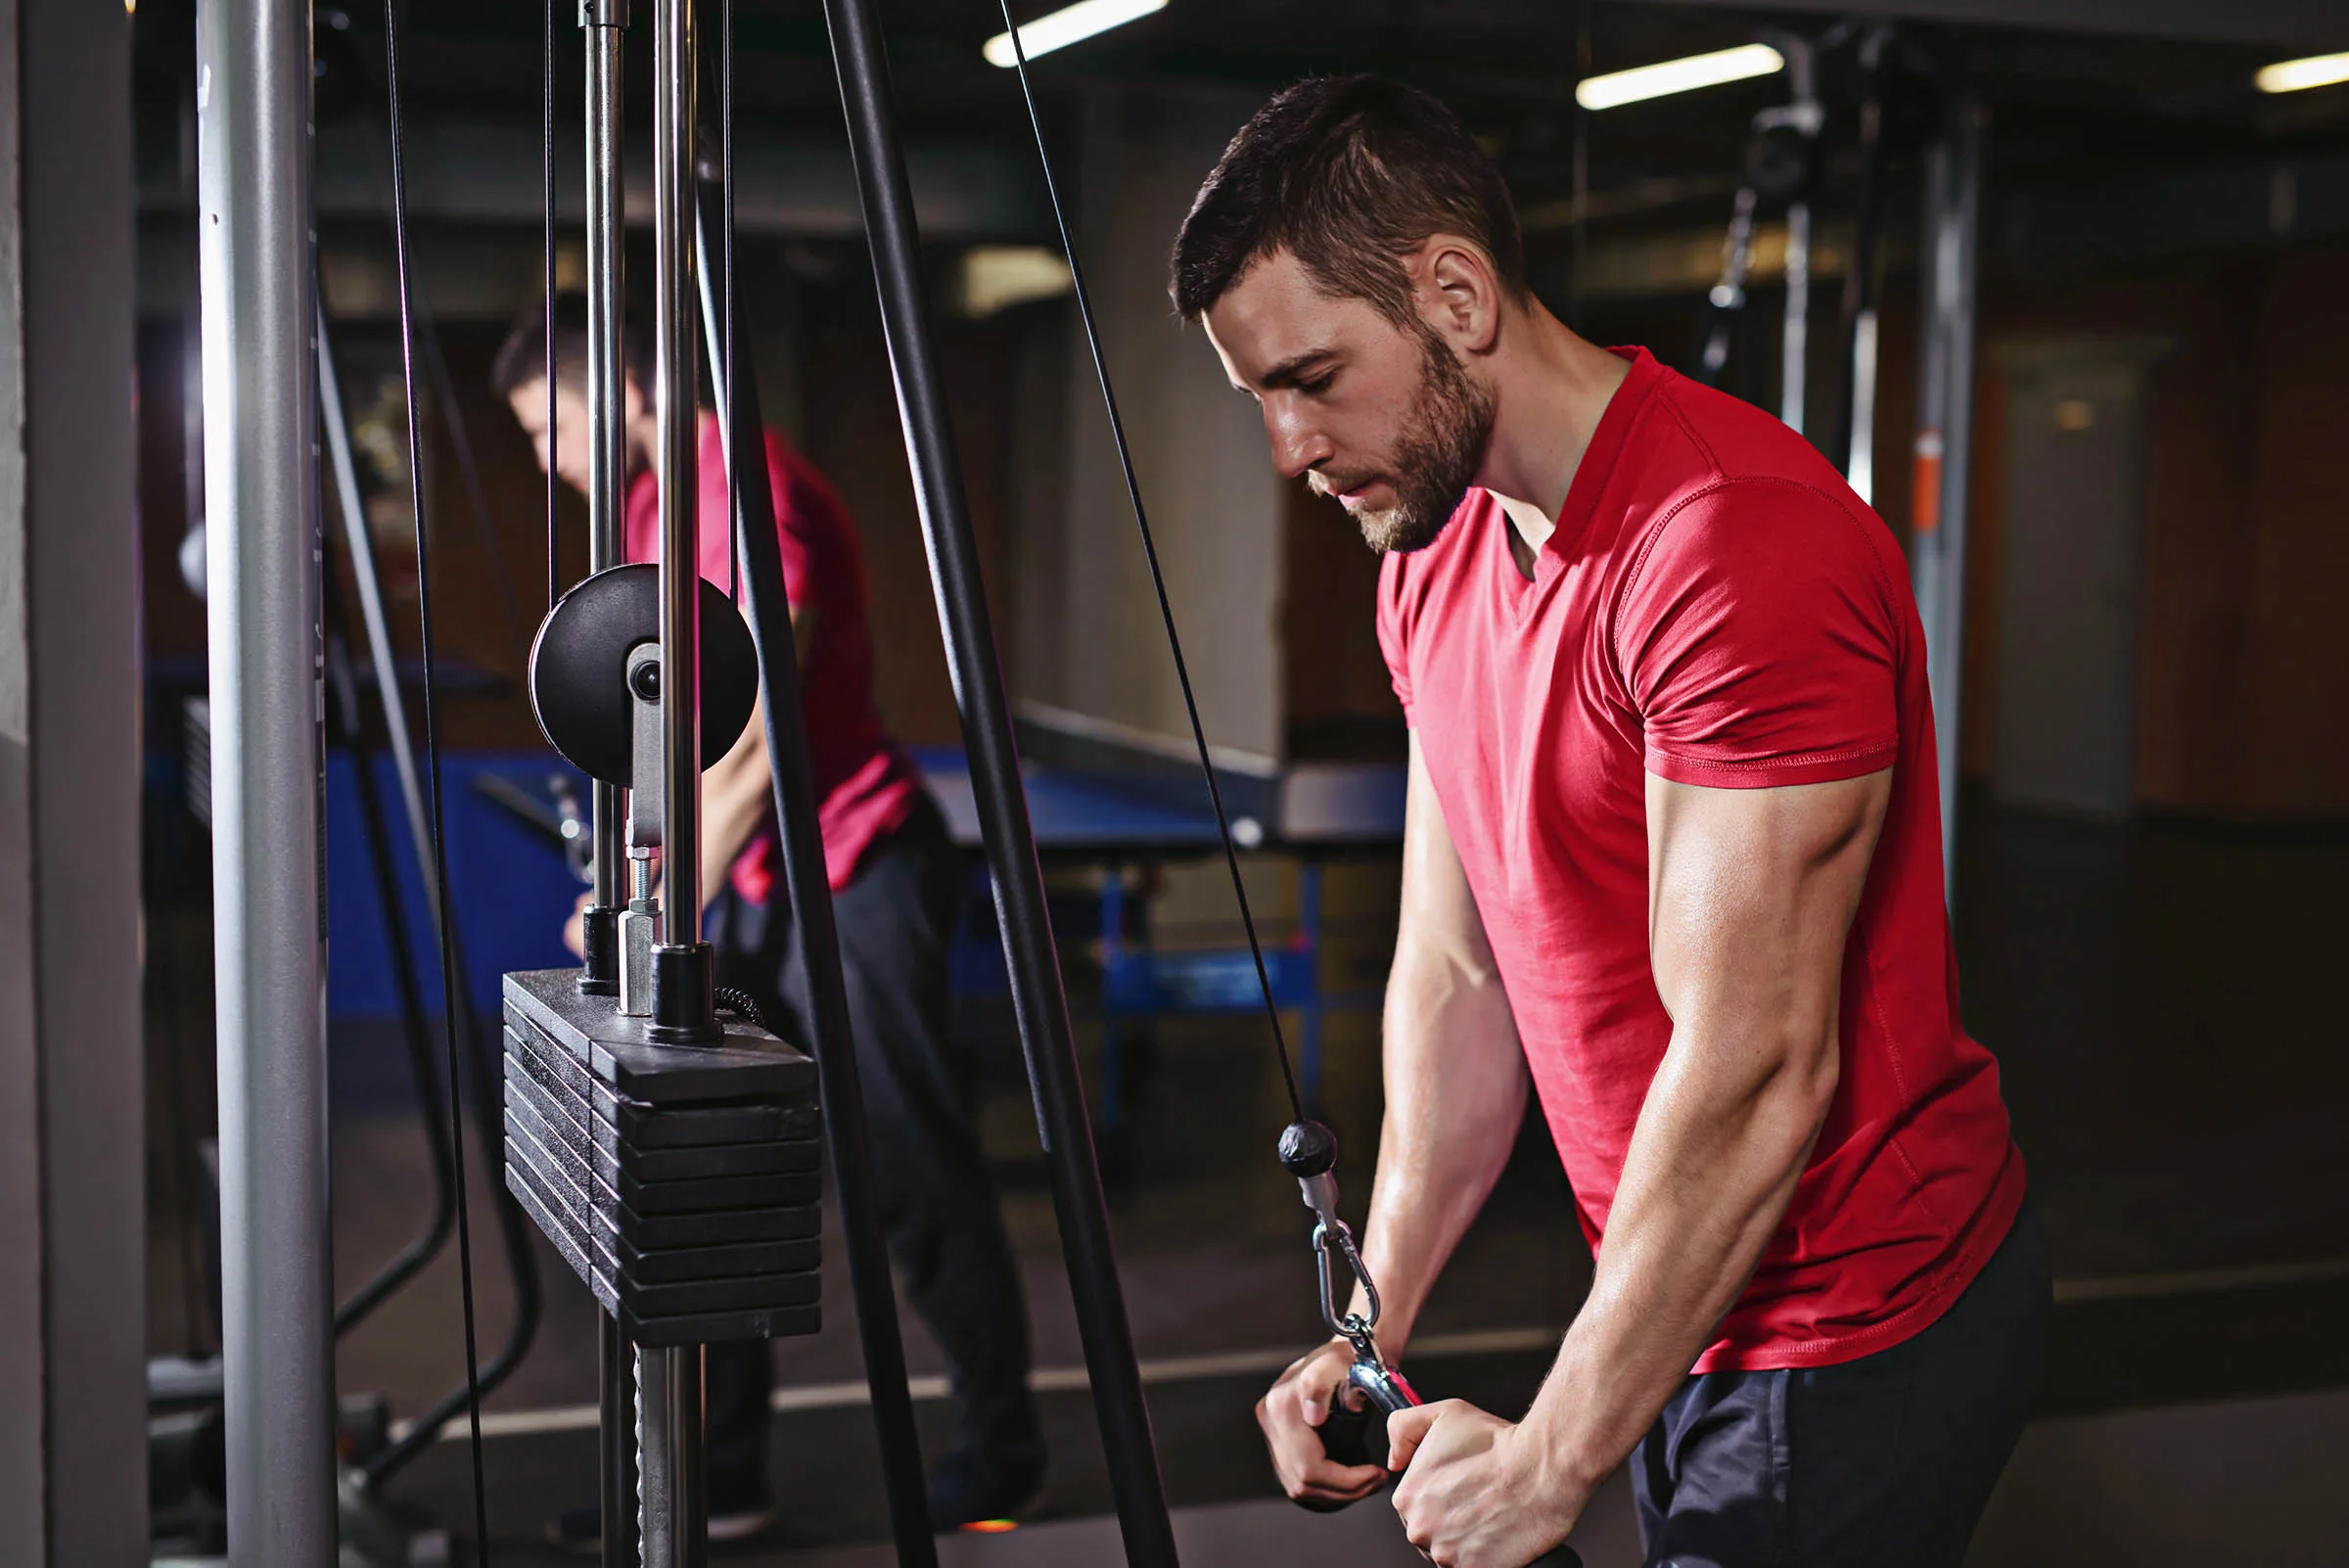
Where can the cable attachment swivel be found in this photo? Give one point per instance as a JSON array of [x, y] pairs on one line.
[[1308, 1151]]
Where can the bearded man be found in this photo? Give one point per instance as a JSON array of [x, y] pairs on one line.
[[1672, 861]]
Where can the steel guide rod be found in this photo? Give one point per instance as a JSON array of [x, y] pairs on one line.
[[1037, 998], [254, 67], [674, 466], [669, 1380], [605, 22], [605, 25]]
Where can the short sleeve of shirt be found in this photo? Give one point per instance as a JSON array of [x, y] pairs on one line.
[[1393, 630], [801, 508], [1758, 639]]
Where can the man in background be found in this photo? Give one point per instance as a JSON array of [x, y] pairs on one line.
[[897, 891]]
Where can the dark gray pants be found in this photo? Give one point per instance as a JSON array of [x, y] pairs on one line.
[[896, 922], [1882, 1462]]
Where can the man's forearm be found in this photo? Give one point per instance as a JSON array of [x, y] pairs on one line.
[[1456, 1085], [733, 807], [1711, 1167]]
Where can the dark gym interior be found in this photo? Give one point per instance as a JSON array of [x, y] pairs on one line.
[[2150, 812]]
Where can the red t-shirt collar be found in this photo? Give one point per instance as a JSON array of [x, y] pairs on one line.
[[1590, 475]]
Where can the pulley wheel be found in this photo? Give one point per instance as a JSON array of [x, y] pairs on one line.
[[579, 662]]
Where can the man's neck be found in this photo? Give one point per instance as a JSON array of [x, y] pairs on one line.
[[1550, 389]]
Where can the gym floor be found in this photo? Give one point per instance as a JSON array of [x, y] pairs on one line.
[[2161, 1001]]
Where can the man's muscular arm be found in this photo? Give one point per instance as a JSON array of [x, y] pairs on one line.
[[1455, 1074], [1456, 1085], [738, 789], [1751, 897]]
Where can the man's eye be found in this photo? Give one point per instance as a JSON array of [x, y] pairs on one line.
[[1318, 384]]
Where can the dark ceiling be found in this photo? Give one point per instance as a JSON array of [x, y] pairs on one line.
[[2066, 105]]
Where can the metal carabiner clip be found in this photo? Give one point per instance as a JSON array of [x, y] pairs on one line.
[[1308, 1151]]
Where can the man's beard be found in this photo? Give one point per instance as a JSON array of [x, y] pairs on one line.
[[1436, 455]]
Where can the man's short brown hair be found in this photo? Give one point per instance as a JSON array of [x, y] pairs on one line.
[[1349, 174], [522, 358]]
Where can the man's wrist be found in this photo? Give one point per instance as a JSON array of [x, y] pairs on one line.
[[1563, 1435]]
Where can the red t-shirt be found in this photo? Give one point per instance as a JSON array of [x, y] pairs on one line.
[[865, 785], [1716, 608]]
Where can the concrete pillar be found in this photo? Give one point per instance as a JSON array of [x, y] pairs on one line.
[[72, 1172]]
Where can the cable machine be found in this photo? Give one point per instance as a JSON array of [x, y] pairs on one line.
[[667, 1147]]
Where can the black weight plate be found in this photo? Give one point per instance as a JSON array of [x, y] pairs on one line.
[[744, 1293], [665, 1197], [647, 1127], [674, 1328], [585, 1131], [700, 1126], [630, 1234], [718, 1229], [681, 1196], [769, 1323], [678, 1266], [578, 669], [791, 1130], [752, 1065]]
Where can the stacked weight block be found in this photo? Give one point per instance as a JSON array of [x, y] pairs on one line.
[[680, 1182]]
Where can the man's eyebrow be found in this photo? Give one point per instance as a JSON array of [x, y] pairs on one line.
[[1292, 370]]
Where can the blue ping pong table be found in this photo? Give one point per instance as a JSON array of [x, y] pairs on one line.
[[1123, 822]]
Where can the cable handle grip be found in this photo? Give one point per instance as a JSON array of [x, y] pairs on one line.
[[1308, 1151], [1347, 1436]]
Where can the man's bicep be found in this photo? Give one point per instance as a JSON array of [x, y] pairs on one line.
[[1751, 895]]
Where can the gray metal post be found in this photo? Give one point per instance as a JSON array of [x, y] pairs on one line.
[[73, 1080], [1794, 347], [253, 66], [1794, 342], [1942, 452]]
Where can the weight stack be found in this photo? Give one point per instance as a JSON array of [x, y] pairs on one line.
[[678, 1182]]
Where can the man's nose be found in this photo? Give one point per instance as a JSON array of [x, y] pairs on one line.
[[1297, 447]]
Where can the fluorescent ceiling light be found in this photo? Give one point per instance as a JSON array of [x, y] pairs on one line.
[[1067, 25], [1618, 88], [996, 277], [2295, 76]]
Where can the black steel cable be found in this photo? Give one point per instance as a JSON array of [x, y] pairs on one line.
[[546, 175], [1158, 581], [432, 751], [469, 473], [416, 1033]]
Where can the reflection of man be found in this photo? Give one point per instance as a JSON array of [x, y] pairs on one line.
[[896, 888], [1673, 844]]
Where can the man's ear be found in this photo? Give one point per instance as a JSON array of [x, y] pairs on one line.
[[1458, 293]]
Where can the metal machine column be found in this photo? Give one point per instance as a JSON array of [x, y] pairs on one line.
[[1038, 999], [809, 893], [1794, 340], [254, 67], [1943, 453]]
